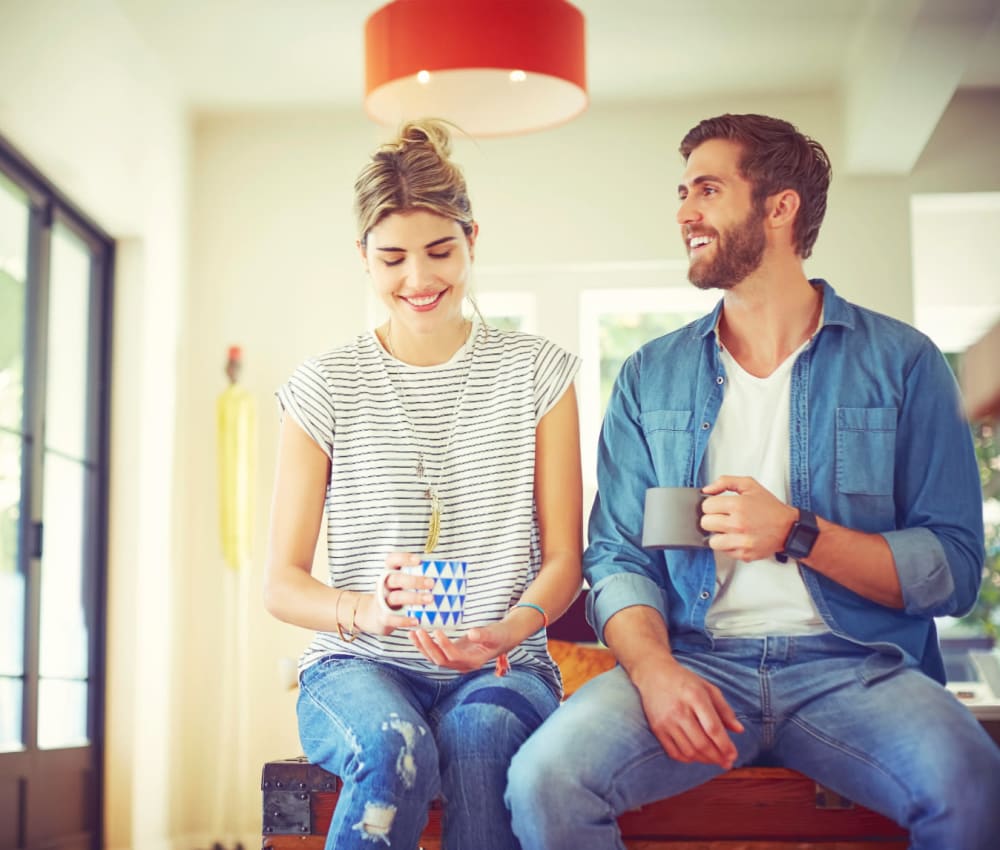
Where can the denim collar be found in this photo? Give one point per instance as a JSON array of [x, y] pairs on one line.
[[836, 311]]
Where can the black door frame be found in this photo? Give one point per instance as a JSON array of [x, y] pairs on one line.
[[48, 205]]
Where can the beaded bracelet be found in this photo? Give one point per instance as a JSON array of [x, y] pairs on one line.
[[538, 608]]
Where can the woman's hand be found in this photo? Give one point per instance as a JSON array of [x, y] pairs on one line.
[[396, 589], [468, 652]]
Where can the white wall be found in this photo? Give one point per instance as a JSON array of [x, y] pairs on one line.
[[82, 100], [956, 218]]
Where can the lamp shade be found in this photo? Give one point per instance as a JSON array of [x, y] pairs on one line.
[[493, 67]]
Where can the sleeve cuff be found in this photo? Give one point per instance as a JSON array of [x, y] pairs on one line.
[[922, 567], [621, 590]]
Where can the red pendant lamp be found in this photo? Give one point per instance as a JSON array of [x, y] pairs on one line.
[[493, 67]]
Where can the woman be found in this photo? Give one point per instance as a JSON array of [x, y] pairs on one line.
[[430, 434]]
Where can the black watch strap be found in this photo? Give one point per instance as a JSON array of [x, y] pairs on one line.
[[801, 538]]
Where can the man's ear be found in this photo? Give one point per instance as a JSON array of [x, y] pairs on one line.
[[782, 207], [363, 252]]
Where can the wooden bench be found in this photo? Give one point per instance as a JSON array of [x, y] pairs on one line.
[[744, 809], [755, 808]]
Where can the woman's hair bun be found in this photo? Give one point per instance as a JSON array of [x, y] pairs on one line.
[[429, 131]]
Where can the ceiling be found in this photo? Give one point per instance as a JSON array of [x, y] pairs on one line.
[[895, 63], [231, 54]]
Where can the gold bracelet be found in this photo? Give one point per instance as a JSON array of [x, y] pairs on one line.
[[355, 631], [336, 614]]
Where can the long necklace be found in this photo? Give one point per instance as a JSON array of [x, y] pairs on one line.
[[431, 492]]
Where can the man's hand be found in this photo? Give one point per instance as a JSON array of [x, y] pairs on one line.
[[689, 716], [747, 521]]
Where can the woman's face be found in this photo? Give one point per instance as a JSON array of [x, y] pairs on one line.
[[420, 264]]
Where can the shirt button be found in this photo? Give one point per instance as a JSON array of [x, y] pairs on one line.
[[705, 426], [720, 380], [704, 594]]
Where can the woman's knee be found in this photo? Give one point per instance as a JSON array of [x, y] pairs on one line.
[[488, 723], [396, 751]]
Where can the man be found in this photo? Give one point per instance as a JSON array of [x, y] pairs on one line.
[[845, 511]]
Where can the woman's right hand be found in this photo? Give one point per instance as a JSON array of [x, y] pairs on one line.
[[397, 589]]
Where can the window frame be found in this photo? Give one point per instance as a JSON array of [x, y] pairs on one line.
[[50, 207]]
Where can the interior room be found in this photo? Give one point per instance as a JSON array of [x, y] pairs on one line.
[[216, 145]]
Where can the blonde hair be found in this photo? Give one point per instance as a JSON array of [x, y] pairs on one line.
[[413, 172]]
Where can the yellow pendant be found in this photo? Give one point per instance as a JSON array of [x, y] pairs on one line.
[[434, 526]]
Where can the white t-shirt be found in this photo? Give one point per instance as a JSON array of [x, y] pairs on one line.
[[752, 437], [348, 400]]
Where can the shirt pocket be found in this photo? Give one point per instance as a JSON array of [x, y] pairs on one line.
[[866, 450], [670, 438]]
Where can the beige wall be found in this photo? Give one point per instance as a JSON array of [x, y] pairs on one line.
[[963, 153], [81, 98], [196, 699]]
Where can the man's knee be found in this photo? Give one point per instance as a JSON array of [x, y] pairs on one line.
[[536, 777], [955, 795]]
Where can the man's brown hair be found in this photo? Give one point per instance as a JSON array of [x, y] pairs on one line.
[[776, 156]]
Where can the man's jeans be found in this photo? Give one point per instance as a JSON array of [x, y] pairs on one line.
[[399, 739], [886, 736]]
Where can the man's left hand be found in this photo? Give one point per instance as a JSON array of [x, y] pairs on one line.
[[746, 520]]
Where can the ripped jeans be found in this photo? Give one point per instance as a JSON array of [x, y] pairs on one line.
[[398, 739]]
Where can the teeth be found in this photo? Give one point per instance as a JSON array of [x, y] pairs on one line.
[[698, 241], [423, 300]]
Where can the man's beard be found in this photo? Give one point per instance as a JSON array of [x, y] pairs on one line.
[[738, 253]]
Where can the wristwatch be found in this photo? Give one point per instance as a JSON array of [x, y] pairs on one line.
[[801, 538]]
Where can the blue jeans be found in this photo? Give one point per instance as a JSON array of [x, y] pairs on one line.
[[884, 735], [399, 739]]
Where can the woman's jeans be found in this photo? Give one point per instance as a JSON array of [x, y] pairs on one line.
[[399, 739], [883, 735]]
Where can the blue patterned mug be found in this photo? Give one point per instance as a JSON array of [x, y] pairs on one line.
[[445, 612]]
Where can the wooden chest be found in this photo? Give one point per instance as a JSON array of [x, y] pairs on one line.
[[745, 809]]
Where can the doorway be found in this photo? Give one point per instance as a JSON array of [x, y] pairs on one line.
[[55, 304]]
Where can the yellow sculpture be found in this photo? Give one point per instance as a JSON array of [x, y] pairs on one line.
[[236, 415]]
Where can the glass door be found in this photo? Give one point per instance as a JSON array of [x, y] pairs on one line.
[[54, 312]]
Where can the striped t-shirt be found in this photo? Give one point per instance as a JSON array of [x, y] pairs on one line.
[[375, 417]]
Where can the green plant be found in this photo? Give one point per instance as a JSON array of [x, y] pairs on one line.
[[985, 616]]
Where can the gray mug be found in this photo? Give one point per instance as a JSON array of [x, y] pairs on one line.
[[672, 519]]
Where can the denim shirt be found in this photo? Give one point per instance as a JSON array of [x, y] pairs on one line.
[[878, 444]]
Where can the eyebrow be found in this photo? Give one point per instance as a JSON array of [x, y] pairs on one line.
[[433, 244], [701, 178]]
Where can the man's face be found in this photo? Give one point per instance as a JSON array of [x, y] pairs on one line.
[[722, 229]]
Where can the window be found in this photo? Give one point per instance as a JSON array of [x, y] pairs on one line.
[[55, 297], [613, 324], [15, 214], [513, 311]]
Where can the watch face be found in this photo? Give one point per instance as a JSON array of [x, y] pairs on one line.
[[802, 536], [801, 539]]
